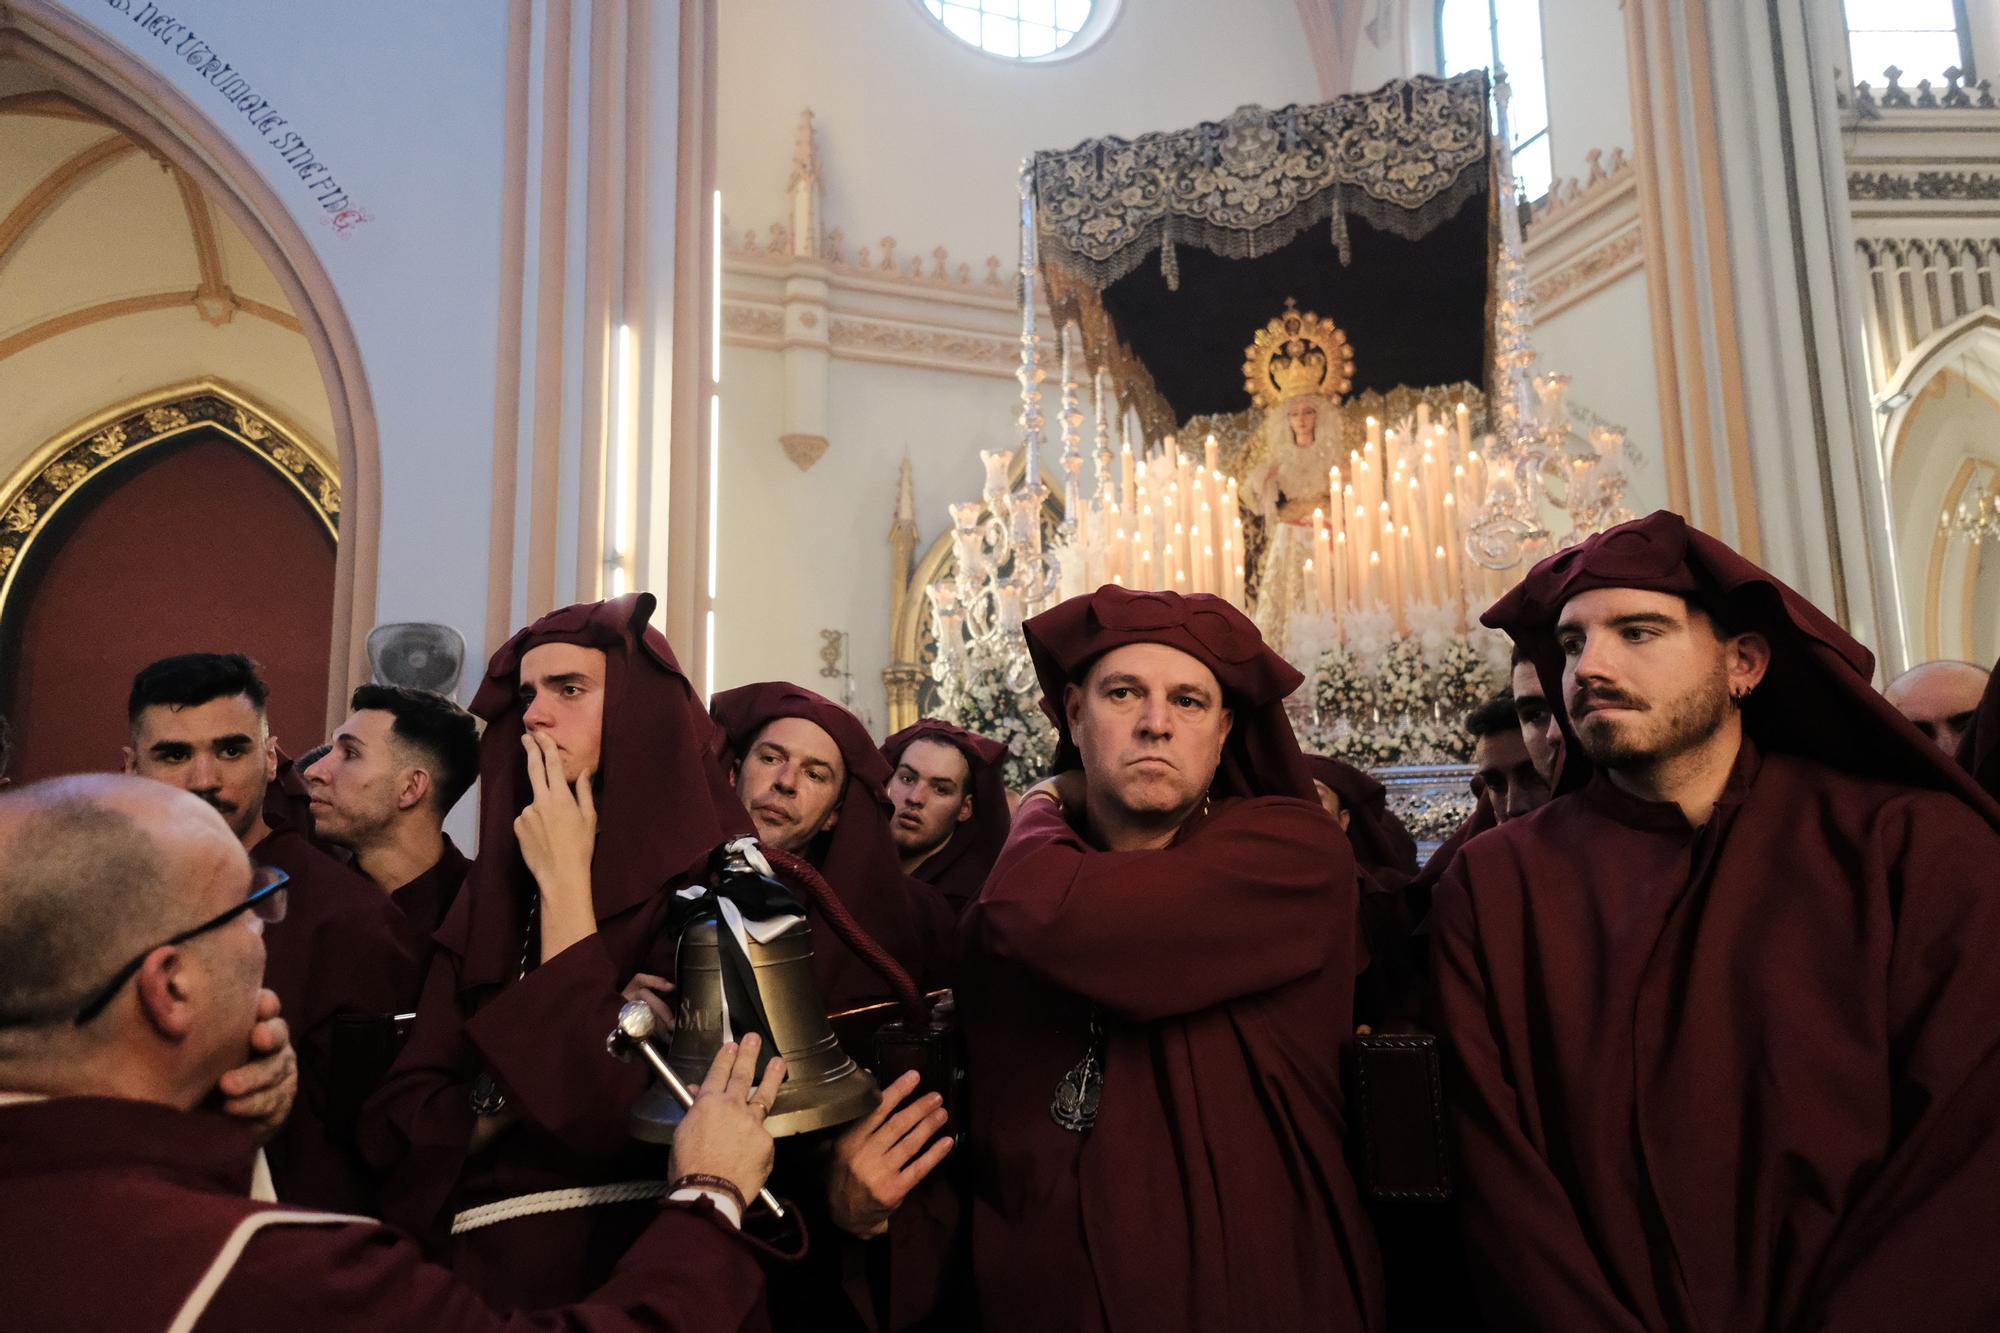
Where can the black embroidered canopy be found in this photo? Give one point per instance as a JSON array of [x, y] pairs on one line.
[[1373, 209]]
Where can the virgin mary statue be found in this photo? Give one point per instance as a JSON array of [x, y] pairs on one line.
[[1296, 370]]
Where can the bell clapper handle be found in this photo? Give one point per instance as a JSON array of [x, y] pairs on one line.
[[634, 1032]]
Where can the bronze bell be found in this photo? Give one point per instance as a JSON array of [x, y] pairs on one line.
[[823, 1086]]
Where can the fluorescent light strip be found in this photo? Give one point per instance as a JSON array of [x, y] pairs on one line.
[[714, 483], [715, 297], [708, 655]]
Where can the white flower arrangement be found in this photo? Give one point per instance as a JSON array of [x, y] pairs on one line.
[[1386, 698], [981, 702]]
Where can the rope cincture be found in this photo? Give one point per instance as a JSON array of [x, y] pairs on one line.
[[557, 1201]]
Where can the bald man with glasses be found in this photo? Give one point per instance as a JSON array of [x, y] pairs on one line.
[[131, 959]]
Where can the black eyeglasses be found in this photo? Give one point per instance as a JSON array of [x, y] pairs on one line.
[[266, 902]]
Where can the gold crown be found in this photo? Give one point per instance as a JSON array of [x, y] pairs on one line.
[[1297, 353]]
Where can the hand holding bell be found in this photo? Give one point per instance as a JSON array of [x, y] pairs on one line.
[[636, 1025]]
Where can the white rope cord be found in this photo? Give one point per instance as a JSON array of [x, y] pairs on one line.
[[556, 1201]]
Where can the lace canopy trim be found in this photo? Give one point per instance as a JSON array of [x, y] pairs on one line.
[[1404, 158]]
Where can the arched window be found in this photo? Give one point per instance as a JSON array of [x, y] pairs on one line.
[[1921, 38], [1023, 29], [1469, 33]]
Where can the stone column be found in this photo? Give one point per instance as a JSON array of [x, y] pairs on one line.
[[1764, 413]]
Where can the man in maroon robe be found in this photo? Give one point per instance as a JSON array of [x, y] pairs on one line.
[[1383, 847], [813, 783], [198, 722], [394, 770], [1940, 699], [600, 791], [133, 921], [1156, 981], [1979, 748], [1540, 732], [949, 791], [1724, 1022]]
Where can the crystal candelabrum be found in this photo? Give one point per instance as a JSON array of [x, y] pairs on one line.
[[1003, 573], [1535, 460], [1976, 519]]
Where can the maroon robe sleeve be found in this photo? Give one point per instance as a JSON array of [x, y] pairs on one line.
[[1519, 1220], [689, 1271], [1916, 1249], [543, 1039], [417, 1128], [1241, 906]]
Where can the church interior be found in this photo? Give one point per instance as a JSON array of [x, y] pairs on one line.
[[858, 333]]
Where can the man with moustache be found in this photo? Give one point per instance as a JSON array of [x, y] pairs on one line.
[[1940, 699], [394, 770], [950, 796], [133, 925], [1157, 978], [1723, 1016], [197, 721]]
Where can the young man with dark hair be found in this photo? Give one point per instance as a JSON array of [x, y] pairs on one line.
[[950, 795], [1500, 758], [397, 766], [1539, 729], [198, 723]]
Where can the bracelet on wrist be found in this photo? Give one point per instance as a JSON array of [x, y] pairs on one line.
[[716, 1184]]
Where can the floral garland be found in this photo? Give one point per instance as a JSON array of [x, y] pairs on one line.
[[981, 702], [1383, 697]]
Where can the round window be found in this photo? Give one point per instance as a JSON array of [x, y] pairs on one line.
[[1023, 29]]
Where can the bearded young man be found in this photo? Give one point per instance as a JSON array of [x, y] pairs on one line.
[[1723, 1017], [1157, 978], [198, 722], [950, 796], [394, 770]]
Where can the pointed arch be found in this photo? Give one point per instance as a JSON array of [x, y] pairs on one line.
[[103, 76]]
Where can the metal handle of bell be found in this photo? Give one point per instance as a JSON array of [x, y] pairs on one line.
[[634, 1033]]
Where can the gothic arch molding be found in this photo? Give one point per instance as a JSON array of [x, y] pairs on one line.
[[65, 466], [99, 73]]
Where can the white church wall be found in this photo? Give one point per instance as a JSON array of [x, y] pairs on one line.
[[1603, 344], [920, 139], [1583, 47], [402, 106]]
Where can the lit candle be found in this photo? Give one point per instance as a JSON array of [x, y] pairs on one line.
[[1311, 586], [1341, 605], [1208, 452], [1374, 579], [1323, 555], [1127, 471], [1464, 415]]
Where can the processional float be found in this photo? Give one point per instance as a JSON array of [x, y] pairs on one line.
[[1304, 335]]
